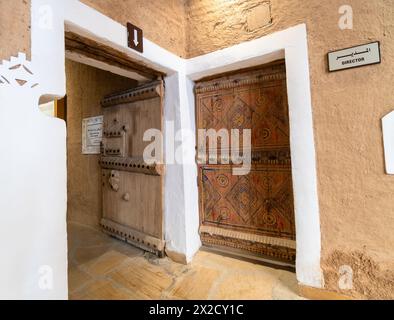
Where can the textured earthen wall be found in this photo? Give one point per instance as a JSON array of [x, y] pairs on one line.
[[14, 28], [86, 86], [163, 21], [356, 197]]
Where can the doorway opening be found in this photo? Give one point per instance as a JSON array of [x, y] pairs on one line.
[[101, 267], [56, 108], [115, 199], [99, 80]]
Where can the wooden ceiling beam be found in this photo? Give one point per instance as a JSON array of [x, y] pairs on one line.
[[103, 53]]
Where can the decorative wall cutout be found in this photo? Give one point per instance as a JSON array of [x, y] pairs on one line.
[[17, 72]]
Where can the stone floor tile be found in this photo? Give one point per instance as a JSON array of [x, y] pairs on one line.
[[77, 278], [196, 284], [105, 263], [103, 290], [245, 286], [83, 255], [286, 287], [85, 236], [221, 262], [138, 275]]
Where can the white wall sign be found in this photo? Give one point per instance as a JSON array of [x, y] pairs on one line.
[[388, 140], [363, 55], [92, 135]]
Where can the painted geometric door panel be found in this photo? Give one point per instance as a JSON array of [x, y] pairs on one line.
[[262, 108], [249, 214], [260, 202]]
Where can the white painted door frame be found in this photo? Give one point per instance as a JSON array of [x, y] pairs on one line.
[[50, 19]]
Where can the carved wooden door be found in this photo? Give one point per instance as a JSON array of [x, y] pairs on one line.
[[132, 189], [248, 214]]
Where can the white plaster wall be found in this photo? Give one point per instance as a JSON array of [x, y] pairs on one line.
[[33, 199], [388, 139], [181, 203], [187, 136], [34, 225], [47, 39], [33, 235], [175, 223]]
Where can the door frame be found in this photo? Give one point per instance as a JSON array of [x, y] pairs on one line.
[[292, 46]]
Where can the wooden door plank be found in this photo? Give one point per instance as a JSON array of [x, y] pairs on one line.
[[133, 189]]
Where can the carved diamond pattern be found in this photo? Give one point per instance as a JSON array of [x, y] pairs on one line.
[[209, 120], [240, 115], [283, 201], [244, 198], [211, 197]]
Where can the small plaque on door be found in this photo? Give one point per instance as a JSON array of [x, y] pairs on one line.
[[92, 135]]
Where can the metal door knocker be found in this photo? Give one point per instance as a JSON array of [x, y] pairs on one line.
[[114, 180]]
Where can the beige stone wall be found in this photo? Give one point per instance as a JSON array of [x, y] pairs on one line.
[[163, 21], [356, 197], [14, 28], [86, 86]]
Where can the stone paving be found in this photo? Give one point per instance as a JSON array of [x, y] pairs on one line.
[[103, 268]]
